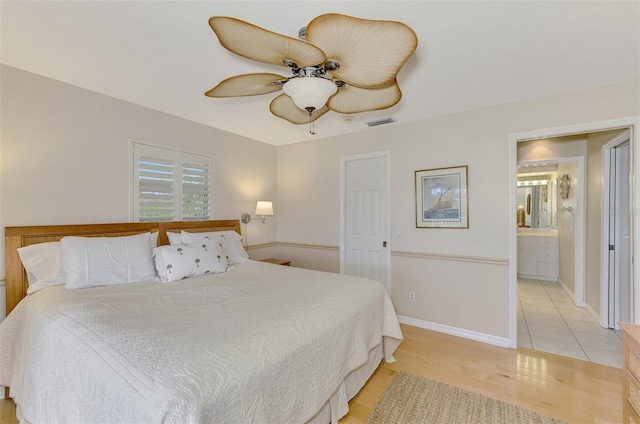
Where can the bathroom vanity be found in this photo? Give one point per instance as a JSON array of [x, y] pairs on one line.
[[538, 256]]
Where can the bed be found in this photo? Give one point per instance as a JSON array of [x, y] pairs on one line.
[[256, 342]]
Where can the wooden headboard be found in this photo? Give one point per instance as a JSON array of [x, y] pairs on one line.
[[195, 227], [16, 237]]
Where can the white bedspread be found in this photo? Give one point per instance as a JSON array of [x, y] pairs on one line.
[[261, 343]]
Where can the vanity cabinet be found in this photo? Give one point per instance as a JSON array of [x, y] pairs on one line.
[[538, 257]]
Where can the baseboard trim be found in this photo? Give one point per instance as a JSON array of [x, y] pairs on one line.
[[455, 331], [567, 290], [594, 314], [585, 305], [569, 293]]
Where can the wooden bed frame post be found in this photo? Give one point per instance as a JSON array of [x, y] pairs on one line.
[[16, 277]]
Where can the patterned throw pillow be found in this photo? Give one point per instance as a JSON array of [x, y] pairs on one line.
[[229, 241], [178, 261]]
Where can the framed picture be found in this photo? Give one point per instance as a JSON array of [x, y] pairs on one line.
[[441, 198]]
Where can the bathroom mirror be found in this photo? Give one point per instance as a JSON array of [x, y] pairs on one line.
[[536, 203]]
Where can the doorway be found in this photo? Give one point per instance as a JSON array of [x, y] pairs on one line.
[[562, 218], [631, 123], [554, 315], [364, 218]]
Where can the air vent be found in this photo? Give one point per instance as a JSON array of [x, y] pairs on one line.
[[380, 122]]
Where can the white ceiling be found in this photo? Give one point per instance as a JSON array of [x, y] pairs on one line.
[[474, 54]]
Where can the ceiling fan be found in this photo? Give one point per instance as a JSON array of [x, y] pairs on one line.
[[345, 64]]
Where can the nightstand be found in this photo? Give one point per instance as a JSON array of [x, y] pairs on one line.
[[277, 261], [631, 371]]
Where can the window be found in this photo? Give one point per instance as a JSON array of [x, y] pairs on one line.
[[171, 185]]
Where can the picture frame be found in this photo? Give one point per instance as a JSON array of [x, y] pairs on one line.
[[442, 198]]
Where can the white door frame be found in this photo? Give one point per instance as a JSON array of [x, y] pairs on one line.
[[343, 167], [604, 267], [632, 122]]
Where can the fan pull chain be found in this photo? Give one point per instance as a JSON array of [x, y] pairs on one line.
[[312, 125]]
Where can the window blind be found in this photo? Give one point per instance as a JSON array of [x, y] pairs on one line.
[[195, 191], [155, 189], [171, 185]]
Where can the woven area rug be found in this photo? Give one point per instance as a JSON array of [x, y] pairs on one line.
[[411, 399]]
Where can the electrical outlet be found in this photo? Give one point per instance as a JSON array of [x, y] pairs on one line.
[[412, 296]]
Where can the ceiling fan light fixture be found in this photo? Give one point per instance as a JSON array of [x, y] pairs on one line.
[[360, 57], [309, 92]]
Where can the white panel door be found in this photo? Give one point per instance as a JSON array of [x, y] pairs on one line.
[[366, 220], [619, 238]]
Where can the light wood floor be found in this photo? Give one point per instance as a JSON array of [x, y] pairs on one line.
[[569, 389], [573, 390]]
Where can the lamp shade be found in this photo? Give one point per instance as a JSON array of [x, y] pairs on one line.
[[309, 92], [264, 208]]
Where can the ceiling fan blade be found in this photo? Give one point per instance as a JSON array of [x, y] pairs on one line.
[[283, 107], [253, 42], [351, 99], [246, 85], [370, 52]]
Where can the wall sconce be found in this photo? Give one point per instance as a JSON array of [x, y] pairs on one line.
[[564, 182], [264, 208]]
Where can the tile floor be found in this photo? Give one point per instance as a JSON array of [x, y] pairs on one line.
[[549, 321]]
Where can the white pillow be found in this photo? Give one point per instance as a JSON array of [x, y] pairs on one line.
[[101, 261], [42, 263], [178, 261], [43, 266], [174, 238], [229, 241], [153, 240]]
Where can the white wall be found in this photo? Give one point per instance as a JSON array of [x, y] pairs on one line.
[[568, 227], [550, 148], [65, 157], [460, 276]]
